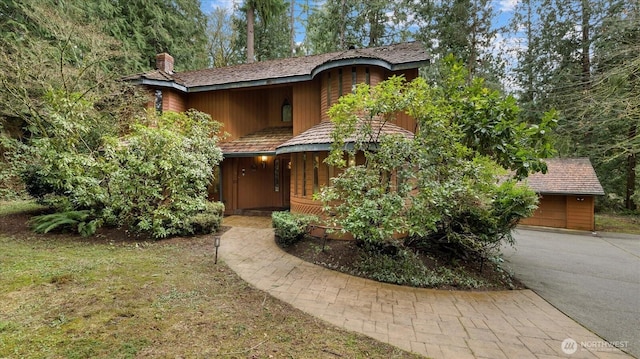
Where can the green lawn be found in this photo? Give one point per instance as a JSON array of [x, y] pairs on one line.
[[69, 297], [607, 222]]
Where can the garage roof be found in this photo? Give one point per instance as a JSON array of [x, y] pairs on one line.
[[566, 176]]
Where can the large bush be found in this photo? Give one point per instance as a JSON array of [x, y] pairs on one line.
[[160, 172], [150, 176], [455, 180]]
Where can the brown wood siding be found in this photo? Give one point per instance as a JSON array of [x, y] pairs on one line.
[[407, 122], [275, 99], [580, 213], [173, 101], [306, 105], [244, 111], [248, 112], [323, 171], [215, 104], [377, 75], [403, 120], [305, 206], [551, 212]]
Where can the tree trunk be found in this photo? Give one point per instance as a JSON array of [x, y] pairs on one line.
[[343, 24], [586, 44], [631, 173], [293, 30], [250, 40]]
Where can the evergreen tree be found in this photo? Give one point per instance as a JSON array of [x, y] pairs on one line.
[[462, 28], [578, 57], [148, 28], [611, 113], [271, 25], [341, 24]]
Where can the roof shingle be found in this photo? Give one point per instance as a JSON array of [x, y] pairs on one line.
[[318, 137], [566, 176], [411, 54], [263, 142]]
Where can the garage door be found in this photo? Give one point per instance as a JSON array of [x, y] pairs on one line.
[[551, 212]]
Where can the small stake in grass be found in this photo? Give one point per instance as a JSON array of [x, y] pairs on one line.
[[216, 242]]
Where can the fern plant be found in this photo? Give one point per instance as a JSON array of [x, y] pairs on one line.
[[75, 221]]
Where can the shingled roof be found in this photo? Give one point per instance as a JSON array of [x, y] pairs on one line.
[[318, 137], [263, 142], [566, 176], [288, 70]]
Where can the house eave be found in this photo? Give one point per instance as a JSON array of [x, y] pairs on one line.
[[303, 148], [283, 80], [248, 154], [253, 83], [159, 83], [569, 193], [312, 147], [364, 61]]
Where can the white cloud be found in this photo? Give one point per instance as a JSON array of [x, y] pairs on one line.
[[210, 5], [507, 5]]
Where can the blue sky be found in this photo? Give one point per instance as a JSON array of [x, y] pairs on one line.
[[501, 45], [505, 8]]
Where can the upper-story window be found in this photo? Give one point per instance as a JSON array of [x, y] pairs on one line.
[[329, 89], [287, 111], [339, 82], [158, 101], [354, 79]]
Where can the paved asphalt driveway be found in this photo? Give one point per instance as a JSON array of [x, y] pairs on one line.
[[594, 279]]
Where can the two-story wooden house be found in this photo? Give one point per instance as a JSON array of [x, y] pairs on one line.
[[276, 115]]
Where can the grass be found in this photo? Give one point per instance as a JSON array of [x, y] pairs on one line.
[[619, 223], [67, 297], [9, 207]]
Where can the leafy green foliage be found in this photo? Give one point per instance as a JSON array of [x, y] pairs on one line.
[[152, 179], [406, 268], [60, 164], [74, 221], [444, 182], [338, 25], [290, 227], [76, 148], [209, 220], [589, 74], [271, 29], [159, 172], [462, 28]]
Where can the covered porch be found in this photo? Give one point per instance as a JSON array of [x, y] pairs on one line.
[[252, 179]]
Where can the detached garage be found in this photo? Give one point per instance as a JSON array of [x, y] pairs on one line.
[[567, 192]]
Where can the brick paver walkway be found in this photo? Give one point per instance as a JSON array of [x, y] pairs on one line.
[[434, 323]]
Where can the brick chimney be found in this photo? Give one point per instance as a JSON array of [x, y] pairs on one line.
[[164, 62]]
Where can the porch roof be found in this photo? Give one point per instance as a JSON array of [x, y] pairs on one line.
[[263, 142], [318, 137], [566, 176]]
